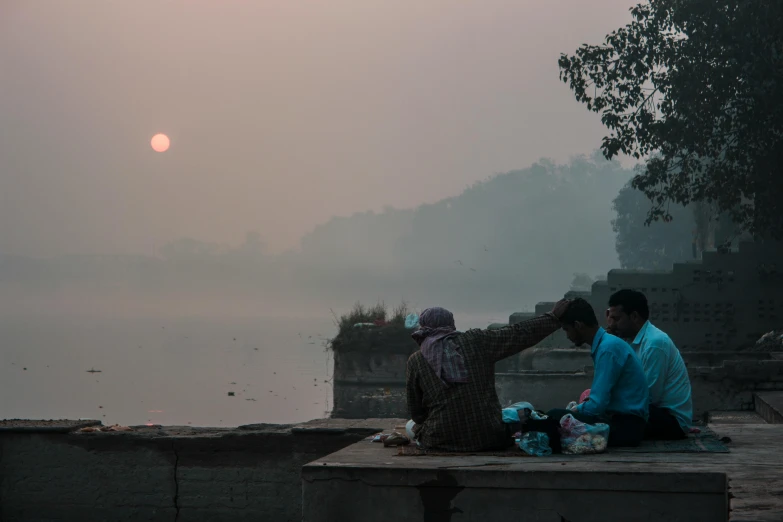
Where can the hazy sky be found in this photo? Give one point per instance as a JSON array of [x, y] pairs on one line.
[[281, 113]]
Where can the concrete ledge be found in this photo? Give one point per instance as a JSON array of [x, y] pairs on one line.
[[44, 426], [167, 472], [350, 485], [362, 427], [734, 417], [368, 482], [254, 473]]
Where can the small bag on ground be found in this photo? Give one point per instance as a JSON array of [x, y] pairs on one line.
[[578, 438], [535, 443]]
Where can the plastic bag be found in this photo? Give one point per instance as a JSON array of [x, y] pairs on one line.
[[411, 321], [409, 429], [535, 443], [516, 412], [578, 438]]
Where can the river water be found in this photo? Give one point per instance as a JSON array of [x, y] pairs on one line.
[[170, 371]]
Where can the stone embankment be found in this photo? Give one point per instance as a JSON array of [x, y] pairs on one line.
[[50, 471]]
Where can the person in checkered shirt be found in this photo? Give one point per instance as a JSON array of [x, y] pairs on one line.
[[450, 380]]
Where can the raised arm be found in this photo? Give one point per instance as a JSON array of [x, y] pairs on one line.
[[505, 342]]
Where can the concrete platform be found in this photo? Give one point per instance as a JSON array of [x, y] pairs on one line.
[[368, 482]]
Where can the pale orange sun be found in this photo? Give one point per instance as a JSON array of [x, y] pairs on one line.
[[160, 143]]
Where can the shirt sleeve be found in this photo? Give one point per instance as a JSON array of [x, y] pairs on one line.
[[607, 372], [505, 342], [654, 363], [415, 395]]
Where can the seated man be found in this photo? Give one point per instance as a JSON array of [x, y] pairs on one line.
[[618, 395], [451, 379], [671, 410]]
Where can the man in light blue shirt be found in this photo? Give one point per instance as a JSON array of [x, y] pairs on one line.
[[671, 409], [618, 396]]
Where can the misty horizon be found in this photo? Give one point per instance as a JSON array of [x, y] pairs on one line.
[[280, 115]]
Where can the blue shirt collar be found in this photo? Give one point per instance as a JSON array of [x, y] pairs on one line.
[[640, 336], [597, 339]]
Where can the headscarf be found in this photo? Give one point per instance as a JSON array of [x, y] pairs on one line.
[[436, 327]]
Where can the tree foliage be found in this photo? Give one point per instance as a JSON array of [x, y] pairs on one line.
[[582, 282], [657, 246], [700, 84]]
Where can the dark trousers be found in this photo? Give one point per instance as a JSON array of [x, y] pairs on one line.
[[624, 430], [662, 425]]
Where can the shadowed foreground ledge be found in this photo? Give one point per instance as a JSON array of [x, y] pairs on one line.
[[50, 472], [325, 470], [743, 485]]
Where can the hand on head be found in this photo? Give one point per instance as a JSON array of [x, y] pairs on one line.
[[560, 307]]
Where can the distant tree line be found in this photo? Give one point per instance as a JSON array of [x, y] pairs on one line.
[[504, 243]]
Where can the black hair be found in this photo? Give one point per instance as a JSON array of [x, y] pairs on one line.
[[631, 301], [579, 310]]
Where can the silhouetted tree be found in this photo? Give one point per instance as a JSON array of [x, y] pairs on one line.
[[699, 83]]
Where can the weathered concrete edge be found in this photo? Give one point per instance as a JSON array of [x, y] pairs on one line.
[[335, 426], [536, 479], [266, 459]]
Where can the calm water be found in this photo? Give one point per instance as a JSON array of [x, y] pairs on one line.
[[166, 371], [172, 371]]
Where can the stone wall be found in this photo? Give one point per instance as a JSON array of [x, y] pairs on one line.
[[573, 359], [166, 473], [374, 355], [373, 368], [725, 302], [544, 390], [726, 387], [553, 359], [729, 387], [359, 401]]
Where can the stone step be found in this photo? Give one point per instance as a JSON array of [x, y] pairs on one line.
[[734, 417], [770, 406]]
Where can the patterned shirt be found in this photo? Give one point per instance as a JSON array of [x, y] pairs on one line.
[[467, 416]]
